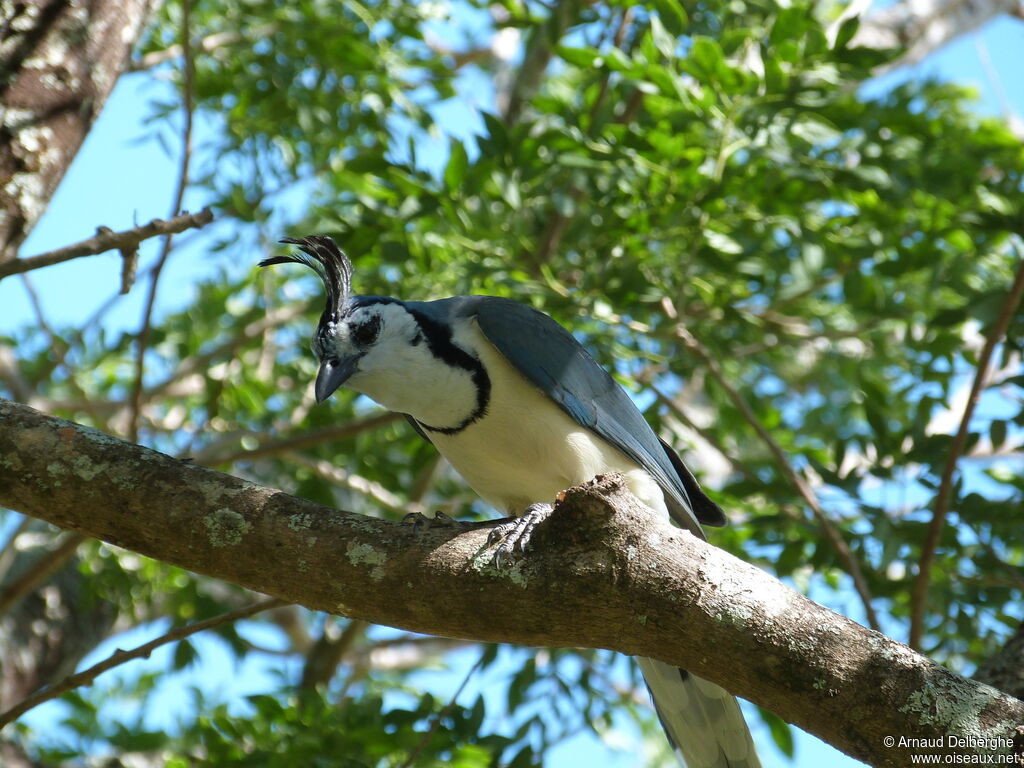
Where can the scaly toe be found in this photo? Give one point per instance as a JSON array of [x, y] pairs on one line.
[[515, 534], [421, 522]]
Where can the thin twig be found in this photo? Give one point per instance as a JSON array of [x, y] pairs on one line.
[[106, 240], [208, 44], [536, 56], [58, 347], [831, 533], [37, 309], [425, 480], [342, 477], [328, 652], [188, 66], [551, 238], [39, 571], [120, 657], [202, 362], [57, 359], [281, 445], [919, 595], [412, 654], [706, 435], [789, 511], [411, 759], [9, 551]]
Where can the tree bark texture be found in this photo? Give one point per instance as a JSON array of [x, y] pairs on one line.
[[59, 60], [603, 572], [1005, 669]]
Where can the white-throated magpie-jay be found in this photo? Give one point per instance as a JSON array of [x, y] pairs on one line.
[[522, 412]]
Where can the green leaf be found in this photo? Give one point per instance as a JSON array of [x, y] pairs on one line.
[[707, 54], [184, 654], [458, 162], [782, 732], [997, 433], [672, 14], [722, 242], [846, 32], [790, 25], [665, 42], [579, 57]]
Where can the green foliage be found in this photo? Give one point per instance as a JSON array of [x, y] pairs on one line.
[[314, 731], [713, 165]]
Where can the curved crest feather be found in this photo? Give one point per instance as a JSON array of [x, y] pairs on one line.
[[321, 254]]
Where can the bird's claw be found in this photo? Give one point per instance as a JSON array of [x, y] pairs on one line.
[[516, 533]]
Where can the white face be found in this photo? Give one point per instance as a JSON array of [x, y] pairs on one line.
[[365, 338], [380, 350]]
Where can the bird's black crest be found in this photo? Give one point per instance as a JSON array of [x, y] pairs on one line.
[[321, 254]]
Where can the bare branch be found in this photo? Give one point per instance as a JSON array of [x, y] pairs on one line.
[[342, 477], [10, 374], [831, 533], [539, 48], [203, 360], [919, 595], [436, 722], [635, 583], [9, 551], [329, 651], [278, 446], [208, 44], [707, 435], [921, 28], [39, 571], [107, 240], [188, 67], [1005, 670], [119, 657]]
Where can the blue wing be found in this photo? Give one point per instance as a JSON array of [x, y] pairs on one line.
[[549, 356]]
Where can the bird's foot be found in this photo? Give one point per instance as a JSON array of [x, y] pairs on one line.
[[515, 534], [421, 522]]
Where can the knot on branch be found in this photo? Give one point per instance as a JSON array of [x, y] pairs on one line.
[[595, 513], [598, 498]]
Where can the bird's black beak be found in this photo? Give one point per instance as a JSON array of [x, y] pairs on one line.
[[332, 374]]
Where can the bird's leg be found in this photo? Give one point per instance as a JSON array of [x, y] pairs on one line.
[[421, 522], [515, 534]]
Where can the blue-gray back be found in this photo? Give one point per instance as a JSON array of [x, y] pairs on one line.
[[550, 357]]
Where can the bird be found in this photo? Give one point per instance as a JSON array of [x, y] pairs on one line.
[[522, 412]]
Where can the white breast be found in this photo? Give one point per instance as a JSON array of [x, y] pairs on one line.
[[526, 449]]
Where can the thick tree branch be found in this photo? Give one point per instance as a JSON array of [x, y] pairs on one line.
[[922, 27], [604, 573], [107, 240]]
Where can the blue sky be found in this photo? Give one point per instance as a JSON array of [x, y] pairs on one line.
[[123, 177]]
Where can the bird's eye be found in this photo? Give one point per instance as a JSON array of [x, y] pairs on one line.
[[365, 333]]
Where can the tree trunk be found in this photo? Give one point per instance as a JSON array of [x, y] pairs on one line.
[[59, 60]]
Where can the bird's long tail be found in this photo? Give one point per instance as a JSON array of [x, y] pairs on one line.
[[703, 721]]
